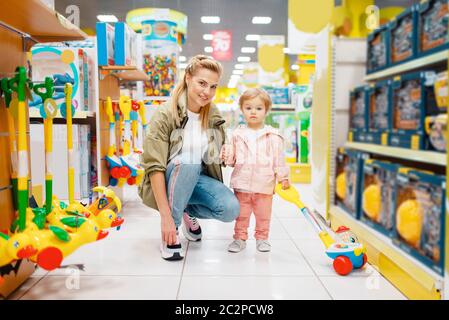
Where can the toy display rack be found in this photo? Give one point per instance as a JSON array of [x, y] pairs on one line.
[[410, 276], [22, 24]]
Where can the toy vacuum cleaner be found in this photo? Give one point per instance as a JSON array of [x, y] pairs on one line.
[[347, 253]]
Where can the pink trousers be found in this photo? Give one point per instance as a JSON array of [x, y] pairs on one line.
[[258, 203]]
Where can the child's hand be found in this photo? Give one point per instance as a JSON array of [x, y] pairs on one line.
[[225, 152], [285, 184]]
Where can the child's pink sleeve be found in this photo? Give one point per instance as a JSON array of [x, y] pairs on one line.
[[281, 169]]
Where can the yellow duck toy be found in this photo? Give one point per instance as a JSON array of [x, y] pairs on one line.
[[341, 185], [409, 220], [106, 200], [56, 243], [15, 247]]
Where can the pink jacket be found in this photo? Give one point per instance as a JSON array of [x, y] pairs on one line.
[[257, 168]]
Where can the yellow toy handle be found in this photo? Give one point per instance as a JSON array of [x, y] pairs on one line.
[[125, 108], [71, 168]]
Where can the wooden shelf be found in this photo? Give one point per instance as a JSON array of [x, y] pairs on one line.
[[117, 68], [431, 157], [35, 114], [409, 66], [132, 75], [382, 245], [40, 22]]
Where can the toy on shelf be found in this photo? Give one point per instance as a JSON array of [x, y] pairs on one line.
[[15, 247], [358, 121], [124, 167], [433, 25], [403, 36], [346, 252], [420, 216], [436, 129], [378, 50], [379, 106]]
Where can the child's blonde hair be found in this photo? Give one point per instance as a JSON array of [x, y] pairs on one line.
[[253, 93]]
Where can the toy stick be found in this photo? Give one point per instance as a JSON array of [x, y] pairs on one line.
[[110, 113], [292, 195], [71, 169], [18, 84], [125, 108], [50, 108], [12, 138]]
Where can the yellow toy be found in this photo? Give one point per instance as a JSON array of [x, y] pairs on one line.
[[347, 253], [55, 243], [15, 247], [409, 219], [341, 185], [106, 200], [371, 202]]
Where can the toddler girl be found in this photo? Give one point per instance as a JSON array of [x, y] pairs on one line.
[[256, 151]]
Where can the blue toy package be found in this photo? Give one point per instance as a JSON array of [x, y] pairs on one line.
[[379, 112], [378, 50], [278, 95], [403, 36], [125, 38], [378, 194], [433, 24], [348, 179], [358, 114], [413, 100], [420, 216], [105, 43]]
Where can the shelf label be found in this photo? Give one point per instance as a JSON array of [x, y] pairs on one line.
[[384, 139], [415, 142], [350, 137]]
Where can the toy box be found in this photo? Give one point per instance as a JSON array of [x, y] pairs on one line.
[[433, 22], [378, 50], [105, 43], [278, 95], [403, 36], [358, 114], [420, 216], [379, 109], [413, 100], [302, 98], [125, 44], [348, 179], [378, 187], [63, 65]]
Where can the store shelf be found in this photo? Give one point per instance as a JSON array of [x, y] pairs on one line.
[[382, 245], [117, 68], [156, 98], [36, 19], [35, 114], [282, 107], [431, 157], [132, 75], [409, 66]]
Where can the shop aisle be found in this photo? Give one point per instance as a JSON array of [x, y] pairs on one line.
[[129, 266]]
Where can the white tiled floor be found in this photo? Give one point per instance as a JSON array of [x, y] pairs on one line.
[[127, 265]]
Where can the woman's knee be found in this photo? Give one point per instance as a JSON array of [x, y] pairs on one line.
[[231, 209]]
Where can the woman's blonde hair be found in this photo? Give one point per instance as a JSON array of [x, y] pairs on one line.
[[195, 63], [253, 93]]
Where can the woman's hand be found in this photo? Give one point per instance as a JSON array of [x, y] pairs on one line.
[[168, 229], [225, 152], [285, 184]]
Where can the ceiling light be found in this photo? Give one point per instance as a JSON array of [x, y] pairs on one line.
[[243, 59], [239, 66], [261, 20], [207, 36], [210, 19], [286, 50], [182, 58], [238, 72], [248, 50], [107, 18], [182, 65], [180, 49], [295, 67], [252, 37], [208, 49]]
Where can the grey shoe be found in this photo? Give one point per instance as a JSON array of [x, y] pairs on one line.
[[172, 252], [237, 246], [263, 245]]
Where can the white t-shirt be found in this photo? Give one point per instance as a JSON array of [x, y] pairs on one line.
[[194, 140]]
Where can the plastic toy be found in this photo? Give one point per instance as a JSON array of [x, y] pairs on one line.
[[403, 36], [16, 247], [436, 129], [441, 89], [341, 185], [371, 203], [346, 253], [379, 111], [114, 162], [409, 219], [433, 25], [378, 50]]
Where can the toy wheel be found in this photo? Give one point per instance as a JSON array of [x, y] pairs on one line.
[[50, 258], [115, 172], [342, 265], [365, 260], [131, 181], [113, 182]]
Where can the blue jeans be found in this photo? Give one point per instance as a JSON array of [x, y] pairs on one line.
[[190, 190]]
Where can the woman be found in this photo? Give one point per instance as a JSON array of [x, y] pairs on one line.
[[183, 178]]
